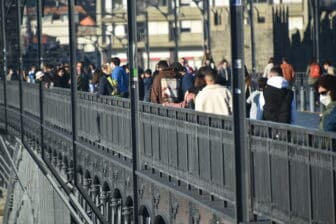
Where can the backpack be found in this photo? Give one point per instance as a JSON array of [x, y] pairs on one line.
[[315, 71]]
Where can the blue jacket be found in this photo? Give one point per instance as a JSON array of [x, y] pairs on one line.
[[187, 83], [328, 120], [120, 76], [147, 82]]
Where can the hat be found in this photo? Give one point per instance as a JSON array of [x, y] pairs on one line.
[[39, 75]]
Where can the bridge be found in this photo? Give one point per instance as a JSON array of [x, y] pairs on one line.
[[74, 157]]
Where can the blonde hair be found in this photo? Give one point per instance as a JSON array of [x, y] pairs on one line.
[[106, 68]]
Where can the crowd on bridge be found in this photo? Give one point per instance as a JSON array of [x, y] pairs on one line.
[[207, 89]]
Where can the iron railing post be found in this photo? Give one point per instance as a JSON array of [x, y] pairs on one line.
[[72, 53], [4, 57], [19, 62], [239, 111], [40, 65], [133, 82]]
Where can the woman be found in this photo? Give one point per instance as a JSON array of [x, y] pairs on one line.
[[326, 87], [104, 86]]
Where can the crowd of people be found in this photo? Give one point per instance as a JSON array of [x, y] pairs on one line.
[[207, 89]]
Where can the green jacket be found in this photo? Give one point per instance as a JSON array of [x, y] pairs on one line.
[[328, 120]]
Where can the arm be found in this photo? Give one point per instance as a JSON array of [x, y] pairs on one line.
[[155, 92]]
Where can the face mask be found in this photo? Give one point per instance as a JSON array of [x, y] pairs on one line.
[[325, 99]]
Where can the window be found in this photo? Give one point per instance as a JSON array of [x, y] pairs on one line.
[[157, 28], [192, 26], [217, 18]]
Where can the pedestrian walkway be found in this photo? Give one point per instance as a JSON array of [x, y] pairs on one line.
[[308, 120]]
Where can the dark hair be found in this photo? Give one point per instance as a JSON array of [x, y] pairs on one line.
[[262, 83], [211, 73], [277, 70], [284, 59], [96, 76], [148, 71], [327, 62], [271, 60], [162, 64], [329, 83], [313, 60], [115, 61], [177, 67], [223, 61]]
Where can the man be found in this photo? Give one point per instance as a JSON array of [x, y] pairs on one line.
[[329, 70], [188, 68], [279, 99], [214, 98], [187, 79], [82, 78], [119, 75], [287, 71], [224, 73]]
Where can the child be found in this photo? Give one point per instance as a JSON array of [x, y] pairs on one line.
[[257, 101]]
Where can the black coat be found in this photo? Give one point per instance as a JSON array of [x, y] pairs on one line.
[[104, 87]]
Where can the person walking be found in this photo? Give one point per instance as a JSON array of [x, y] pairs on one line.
[[214, 98], [119, 75], [326, 87], [279, 99], [287, 71]]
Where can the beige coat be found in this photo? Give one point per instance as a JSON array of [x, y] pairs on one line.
[[214, 99]]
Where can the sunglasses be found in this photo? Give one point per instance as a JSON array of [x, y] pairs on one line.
[[323, 93]]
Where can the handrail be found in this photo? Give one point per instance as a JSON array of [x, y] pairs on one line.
[[197, 149]]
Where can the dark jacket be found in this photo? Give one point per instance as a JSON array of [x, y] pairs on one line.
[[147, 85], [83, 82], [187, 83], [104, 87], [62, 82], [278, 103], [328, 120]]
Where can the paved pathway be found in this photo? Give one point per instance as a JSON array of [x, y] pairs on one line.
[[307, 119]]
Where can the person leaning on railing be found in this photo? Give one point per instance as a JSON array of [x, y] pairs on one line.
[[326, 87]]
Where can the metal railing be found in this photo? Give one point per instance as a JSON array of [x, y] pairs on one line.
[[291, 171]]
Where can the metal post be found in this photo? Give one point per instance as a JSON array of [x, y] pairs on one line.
[[239, 111], [176, 36], [72, 53], [4, 56], [133, 82], [206, 9], [302, 99], [317, 29], [253, 51], [147, 41], [311, 99], [39, 33], [19, 62], [40, 63]]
